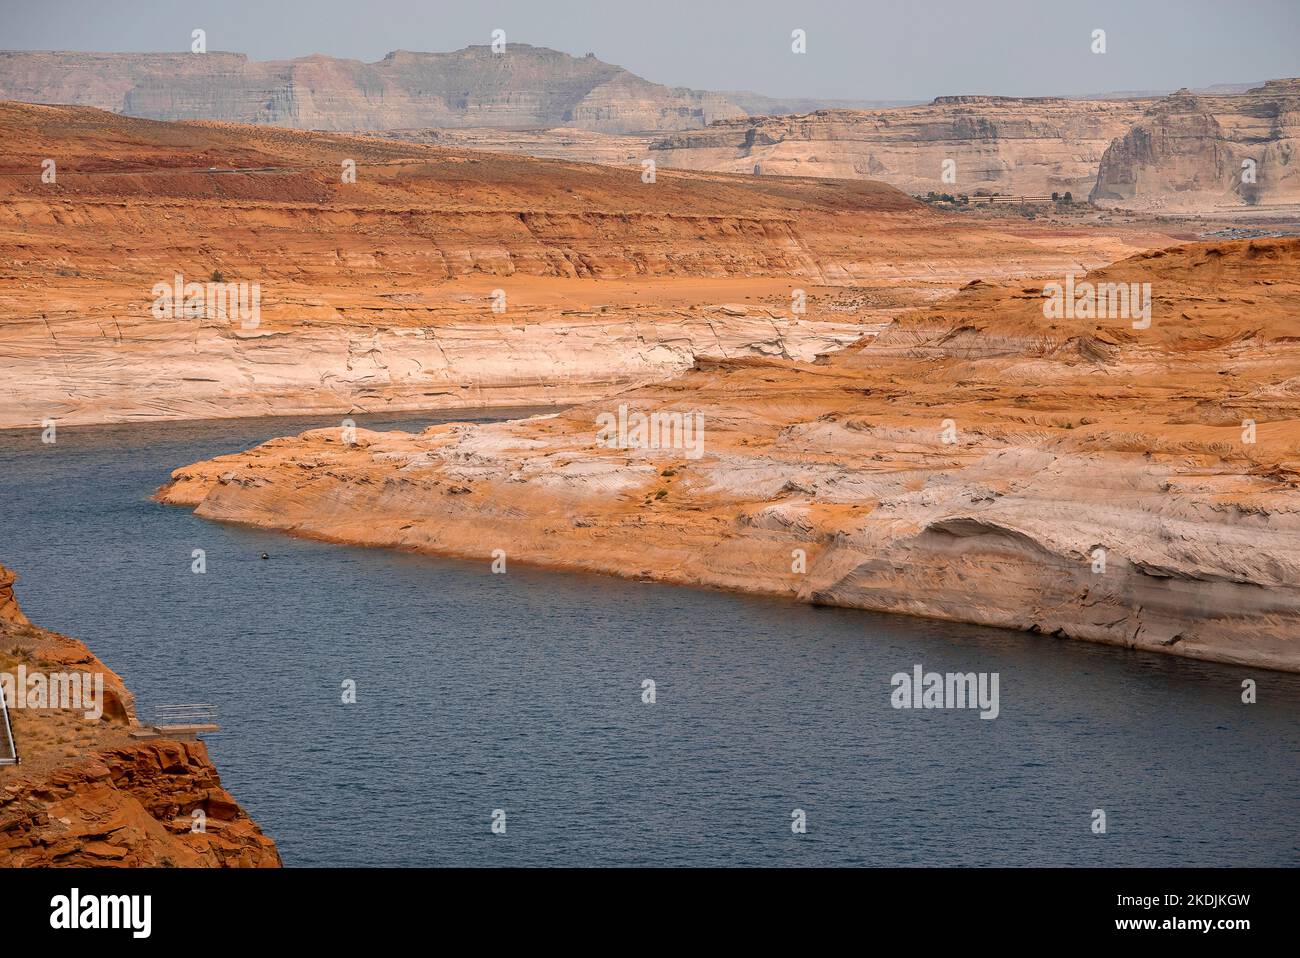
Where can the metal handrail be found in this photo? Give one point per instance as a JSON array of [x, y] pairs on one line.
[[9, 733], [186, 714]]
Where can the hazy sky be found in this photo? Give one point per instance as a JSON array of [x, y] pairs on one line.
[[861, 49]]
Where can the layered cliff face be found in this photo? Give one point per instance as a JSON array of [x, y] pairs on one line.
[[1023, 146], [88, 793], [524, 86], [438, 278], [1192, 152], [1199, 153], [1182, 153], [985, 460]]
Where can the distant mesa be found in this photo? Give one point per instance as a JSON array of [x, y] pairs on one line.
[[1193, 151], [406, 89]]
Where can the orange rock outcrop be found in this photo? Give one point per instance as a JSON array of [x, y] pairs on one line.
[[10, 613], [87, 793], [978, 461]]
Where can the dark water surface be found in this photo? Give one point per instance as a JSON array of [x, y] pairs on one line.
[[522, 692]]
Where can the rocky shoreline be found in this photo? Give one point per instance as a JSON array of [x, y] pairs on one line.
[[975, 462], [89, 793]]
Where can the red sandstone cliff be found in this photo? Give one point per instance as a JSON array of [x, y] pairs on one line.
[[378, 294]]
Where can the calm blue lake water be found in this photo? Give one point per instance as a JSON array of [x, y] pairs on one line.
[[522, 692]]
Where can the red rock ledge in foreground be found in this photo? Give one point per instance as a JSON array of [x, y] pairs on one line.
[[88, 794]]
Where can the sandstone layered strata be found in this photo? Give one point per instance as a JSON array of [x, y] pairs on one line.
[[87, 793], [1190, 152], [1031, 146], [439, 278], [521, 87], [1088, 478], [1182, 153]]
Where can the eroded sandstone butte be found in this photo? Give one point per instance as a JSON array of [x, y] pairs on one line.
[[1073, 441], [1029, 146], [89, 794], [379, 294], [1180, 153], [1191, 152]]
